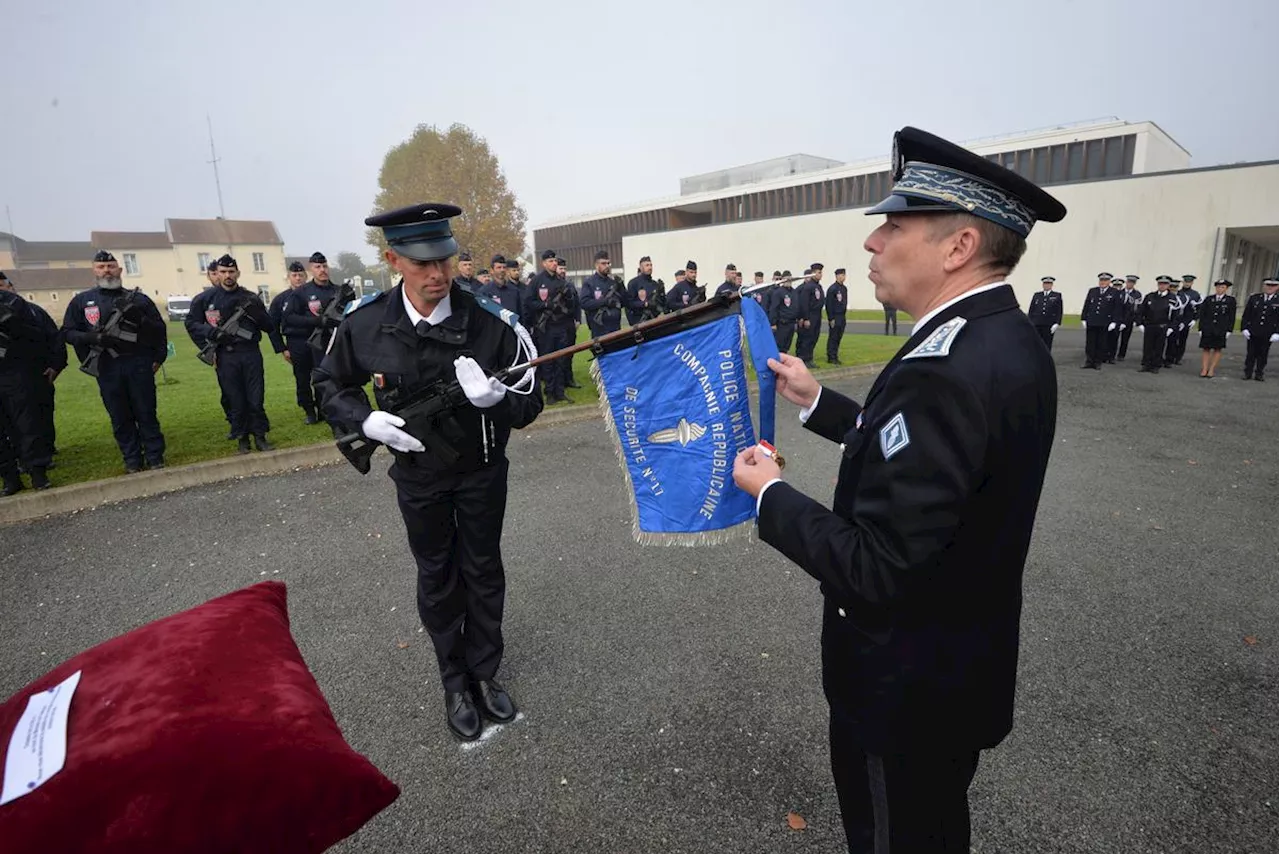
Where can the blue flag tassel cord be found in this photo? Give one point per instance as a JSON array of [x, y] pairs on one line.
[[677, 407]]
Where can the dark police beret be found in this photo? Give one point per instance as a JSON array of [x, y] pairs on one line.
[[228, 261], [786, 274], [548, 254], [690, 265], [498, 259], [679, 273], [296, 267], [464, 256], [318, 258], [420, 232], [644, 258], [212, 268], [760, 273], [1223, 282], [483, 271], [728, 267], [840, 271], [560, 261], [816, 266], [777, 274], [1050, 279], [932, 174], [602, 255], [103, 256], [1188, 278]]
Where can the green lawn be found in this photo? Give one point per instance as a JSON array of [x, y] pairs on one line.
[[195, 429]]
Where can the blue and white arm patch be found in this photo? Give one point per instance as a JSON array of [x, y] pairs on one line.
[[938, 344], [894, 436], [359, 303]]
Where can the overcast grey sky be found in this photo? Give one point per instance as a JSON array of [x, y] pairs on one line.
[[587, 104]]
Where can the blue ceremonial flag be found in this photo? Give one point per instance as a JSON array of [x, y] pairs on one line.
[[678, 409]]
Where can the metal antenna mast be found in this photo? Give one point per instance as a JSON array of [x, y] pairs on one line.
[[213, 153]]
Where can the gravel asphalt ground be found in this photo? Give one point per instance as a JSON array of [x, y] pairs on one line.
[[671, 698]]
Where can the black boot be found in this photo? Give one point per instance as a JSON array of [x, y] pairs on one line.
[[12, 484], [260, 441], [243, 447], [39, 480], [311, 416], [461, 715], [493, 701]]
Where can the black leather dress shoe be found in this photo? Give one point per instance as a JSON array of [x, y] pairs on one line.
[[462, 716], [494, 702]]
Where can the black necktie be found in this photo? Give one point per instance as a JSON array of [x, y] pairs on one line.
[[422, 328]]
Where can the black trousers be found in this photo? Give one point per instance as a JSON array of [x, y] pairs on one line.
[[807, 339], [1255, 354], [454, 523], [128, 390], [1181, 338], [902, 804], [890, 317], [302, 360], [1124, 340], [1113, 343], [782, 336], [1153, 343], [1095, 345], [22, 434], [1046, 335], [835, 332], [1171, 346], [240, 378], [554, 375]]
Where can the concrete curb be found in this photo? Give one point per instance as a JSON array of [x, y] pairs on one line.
[[85, 496]]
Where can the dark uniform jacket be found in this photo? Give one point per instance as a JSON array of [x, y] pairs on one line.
[[684, 295], [1191, 300], [89, 310], [302, 310], [1046, 309], [1260, 315], [649, 307], [276, 310], [469, 282], [29, 338], [551, 301], [837, 301], [1102, 306], [601, 301], [921, 556], [784, 308], [1131, 298], [377, 341], [1155, 309], [1218, 315], [726, 288], [506, 295], [215, 305], [809, 295]]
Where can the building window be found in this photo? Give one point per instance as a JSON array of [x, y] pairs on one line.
[[204, 259], [1058, 172], [1093, 158], [259, 262], [1075, 161], [1042, 166], [131, 267]]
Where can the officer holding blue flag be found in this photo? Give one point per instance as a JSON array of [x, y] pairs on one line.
[[921, 555]]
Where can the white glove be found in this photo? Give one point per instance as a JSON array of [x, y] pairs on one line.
[[1053, 329], [1111, 327], [1245, 333], [1168, 332], [1122, 326], [1142, 328], [1274, 338], [482, 391], [1181, 326], [382, 427], [1228, 334]]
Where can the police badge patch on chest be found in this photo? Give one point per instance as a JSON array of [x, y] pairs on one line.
[[92, 314], [313, 305], [894, 436], [212, 316], [938, 344]]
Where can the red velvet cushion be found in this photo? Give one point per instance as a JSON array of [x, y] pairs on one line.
[[204, 731]]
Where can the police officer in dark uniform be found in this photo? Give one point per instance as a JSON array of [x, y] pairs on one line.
[[1259, 325], [551, 308], [421, 331], [1113, 335], [784, 312], [126, 378], [601, 298], [1152, 319], [566, 364], [1191, 300], [1045, 311], [642, 294], [809, 326], [504, 289], [730, 283], [686, 292], [1177, 320], [297, 353], [941, 471], [31, 356], [54, 365], [837, 304], [1217, 315], [238, 361], [1132, 298], [303, 315], [1100, 315], [467, 273]]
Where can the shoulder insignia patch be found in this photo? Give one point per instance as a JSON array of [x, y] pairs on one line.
[[938, 344], [894, 436], [359, 303]]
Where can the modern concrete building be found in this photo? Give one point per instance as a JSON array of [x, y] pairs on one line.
[[1134, 205]]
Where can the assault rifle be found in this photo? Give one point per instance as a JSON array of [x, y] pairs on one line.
[[655, 301], [233, 328], [331, 316], [118, 327], [427, 411]]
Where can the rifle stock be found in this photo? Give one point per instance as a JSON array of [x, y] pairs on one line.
[[331, 316], [231, 329], [116, 328]]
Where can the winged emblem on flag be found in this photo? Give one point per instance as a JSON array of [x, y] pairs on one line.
[[684, 433]]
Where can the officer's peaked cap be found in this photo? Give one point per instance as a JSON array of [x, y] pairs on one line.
[[1048, 279], [1131, 277], [1222, 282], [1271, 283], [420, 232], [1104, 275], [932, 174]]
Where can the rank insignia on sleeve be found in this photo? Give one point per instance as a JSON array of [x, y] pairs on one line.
[[938, 344], [894, 436]]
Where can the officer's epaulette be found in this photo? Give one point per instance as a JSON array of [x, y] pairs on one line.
[[492, 306], [363, 301], [938, 344]]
